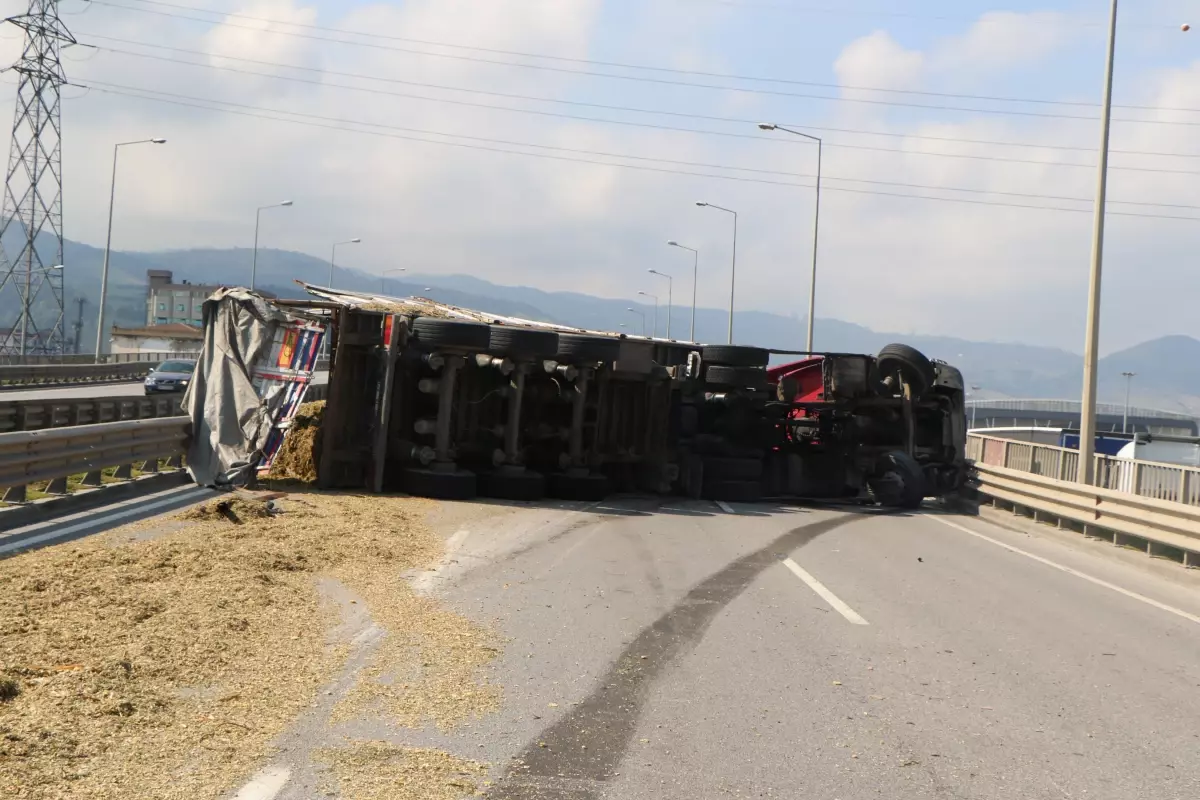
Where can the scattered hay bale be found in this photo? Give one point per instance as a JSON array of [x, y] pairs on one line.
[[296, 458]]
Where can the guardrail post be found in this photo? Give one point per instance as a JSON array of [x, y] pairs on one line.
[[1004, 457], [124, 472], [1137, 477], [57, 486], [175, 462], [151, 466], [15, 494], [1183, 486], [93, 478]]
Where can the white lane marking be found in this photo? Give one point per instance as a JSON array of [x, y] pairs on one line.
[[59, 533], [728, 509], [265, 785], [91, 513], [1061, 568], [828, 596]]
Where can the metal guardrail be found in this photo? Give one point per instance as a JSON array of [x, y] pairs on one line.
[[36, 415], [1073, 407], [54, 374], [106, 358], [55, 454], [1158, 504]]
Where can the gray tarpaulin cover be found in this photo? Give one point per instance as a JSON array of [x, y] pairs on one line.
[[230, 422]]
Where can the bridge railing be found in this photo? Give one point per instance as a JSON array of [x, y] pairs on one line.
[[1155, 505]]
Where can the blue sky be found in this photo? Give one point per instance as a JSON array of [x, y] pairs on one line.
[[547, 218]]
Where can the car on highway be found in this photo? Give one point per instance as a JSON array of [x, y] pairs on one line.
[[169, 376]]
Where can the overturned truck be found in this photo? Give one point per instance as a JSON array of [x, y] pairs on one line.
[[449, 403]]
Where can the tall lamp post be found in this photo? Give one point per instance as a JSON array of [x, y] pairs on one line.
[[1091, 348], [695, 275], [112, 198], [647, 294], [383, 277], [333, 256], [670, 296], [733, 270], [257, 223], [641, 314], [1129, 376], [812, 287]]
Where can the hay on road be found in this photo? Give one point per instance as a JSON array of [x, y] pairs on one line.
[[296, 458], [165, 667]]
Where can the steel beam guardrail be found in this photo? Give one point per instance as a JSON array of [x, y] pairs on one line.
[[36, 415], [57, 453], [1136, 499], [53, 374]]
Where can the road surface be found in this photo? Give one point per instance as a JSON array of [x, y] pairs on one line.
[[671, 650]]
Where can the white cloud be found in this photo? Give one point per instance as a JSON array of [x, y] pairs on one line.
[[888, 262]]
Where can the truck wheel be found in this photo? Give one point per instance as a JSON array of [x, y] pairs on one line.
[[522, 343], [737, 377], [433, 333], [906, 484], [457, 485], [733, 491], [727, 355], [513, 486], [575, 347], [733, 469], [910, 363], [578, 487]]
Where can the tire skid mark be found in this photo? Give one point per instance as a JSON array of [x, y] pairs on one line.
[[575, 757]]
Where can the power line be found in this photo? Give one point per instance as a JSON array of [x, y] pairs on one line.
[[624, 65], [209, 105], [629, 123], [661, 81], [603, 106]]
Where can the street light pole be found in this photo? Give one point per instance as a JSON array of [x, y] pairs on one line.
[[257, 222], [647, 294], [670, 296], [1129, 376], [333, 257], [642, 315], [812, 288], [1087, 424], [112, 199], [695, 280], [733, 270], [383, 277]]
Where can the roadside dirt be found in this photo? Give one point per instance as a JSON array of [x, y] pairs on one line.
[[166, 667]]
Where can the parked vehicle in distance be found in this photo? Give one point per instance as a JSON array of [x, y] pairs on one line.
[[169, 376]]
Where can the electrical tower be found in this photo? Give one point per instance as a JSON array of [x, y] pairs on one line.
[[33, 189]]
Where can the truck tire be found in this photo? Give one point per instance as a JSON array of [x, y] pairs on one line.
[[457, 485], [589, 488], [737, 377], [728, 355], [912, 491], [513, 486], [434, 333], [733, 491], [522, 343], [733, 469], [574, 348], [910, 363]]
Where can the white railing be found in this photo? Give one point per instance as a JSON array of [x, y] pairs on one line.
[[1156, 505]]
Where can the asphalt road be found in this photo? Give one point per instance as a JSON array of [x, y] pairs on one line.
[[87, 391], [675, 650]]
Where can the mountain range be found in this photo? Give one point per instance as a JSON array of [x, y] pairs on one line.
[[1167, 373]]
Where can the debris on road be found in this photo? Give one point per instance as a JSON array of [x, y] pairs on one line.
[[381, 771], [152, 667], [296, 459]]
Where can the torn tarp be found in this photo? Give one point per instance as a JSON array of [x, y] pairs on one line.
[[256, 365]]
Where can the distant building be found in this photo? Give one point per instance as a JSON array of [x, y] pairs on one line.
[[173, 337], [170, 303]]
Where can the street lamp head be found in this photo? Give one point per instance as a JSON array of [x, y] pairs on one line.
[[643, 294], [159, 141], [767, 126], [57, 266], [673, 243], [630, 309], [286, 203], [702, 205], [356, 241]]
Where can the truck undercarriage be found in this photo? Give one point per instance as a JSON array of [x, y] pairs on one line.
[[447, 403]]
